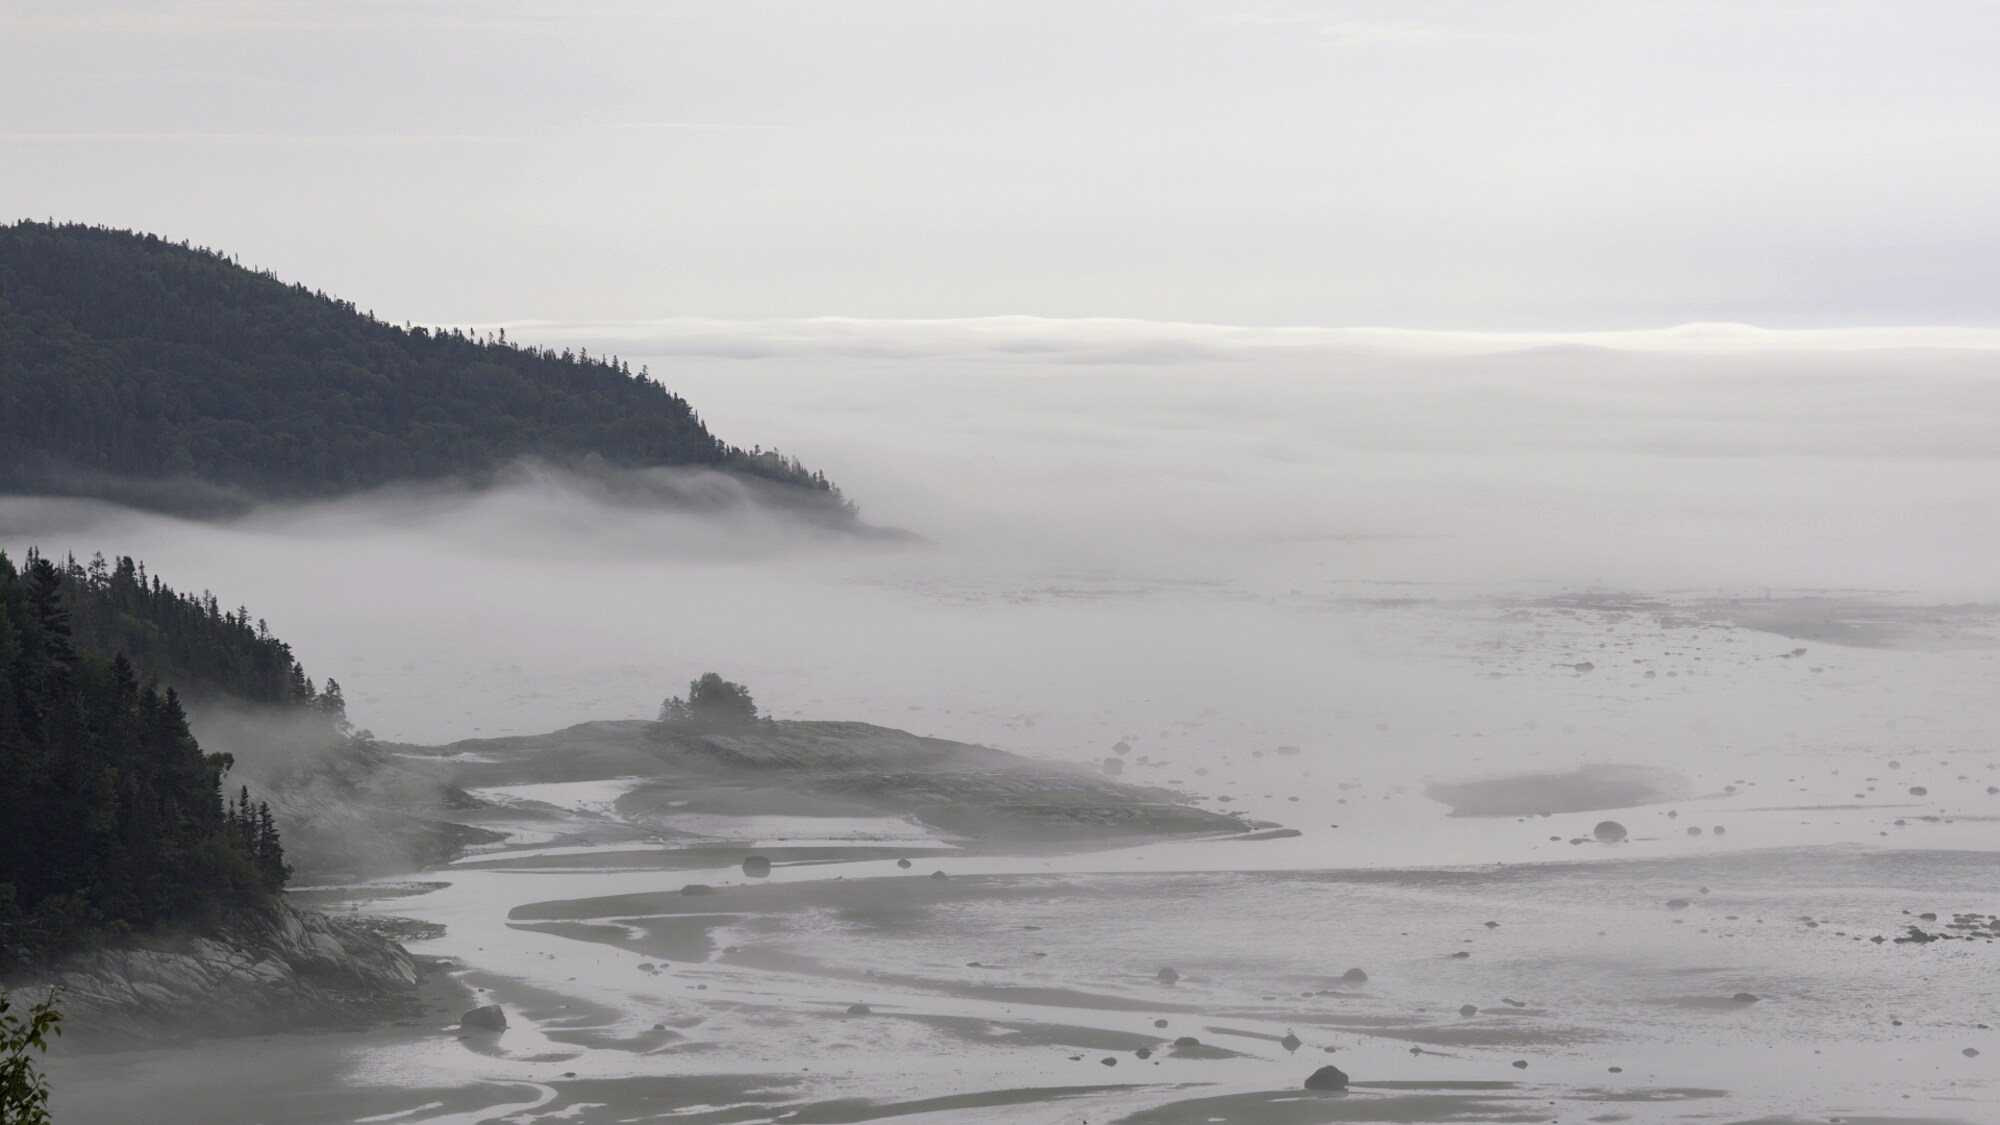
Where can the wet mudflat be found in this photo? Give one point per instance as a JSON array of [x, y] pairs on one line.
[[1463, 940]]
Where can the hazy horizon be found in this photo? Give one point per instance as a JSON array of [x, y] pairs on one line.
[[1548, 165], [1448, 544]]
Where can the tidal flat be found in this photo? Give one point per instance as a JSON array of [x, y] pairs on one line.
[[1741, 953]]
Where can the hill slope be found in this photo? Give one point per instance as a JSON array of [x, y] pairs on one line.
[[152, 373], [112, 817], [345, 805]]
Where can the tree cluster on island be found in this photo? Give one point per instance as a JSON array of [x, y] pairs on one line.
[[712, 704], [165, 375], [113, 820]]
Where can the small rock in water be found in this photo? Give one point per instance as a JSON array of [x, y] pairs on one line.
[[1121, 747], [1327, 1078], [1918, 791], [1187, 1041], [1609, 831], [1694, 829], [487, 1017], [1354, 976], [1492, 925], [648, 967], [1469, 1010], [939, 875], [1970, 1052], [1678, 904], [1617, 1070], [697, 889], [1113, 766], [1520, 1064], [1159, 1023], [1461, 955], [756, 866], [1291, 1042], [860, 1010], [1745, 998], [903, 863], [1167, 975], [1143, 1053], [1108, 1061]]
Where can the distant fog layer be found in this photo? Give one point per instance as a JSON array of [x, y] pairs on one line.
[[1115, 547]]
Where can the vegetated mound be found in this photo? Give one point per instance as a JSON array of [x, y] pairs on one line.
[[841, 769], [164, 376]]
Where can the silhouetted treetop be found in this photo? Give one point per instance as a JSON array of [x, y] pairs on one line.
[[156, 373]]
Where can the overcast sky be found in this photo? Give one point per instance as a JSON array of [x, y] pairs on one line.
[[1478, 165]]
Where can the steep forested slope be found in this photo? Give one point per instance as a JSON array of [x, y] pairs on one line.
[[154, 373], [112, 818]]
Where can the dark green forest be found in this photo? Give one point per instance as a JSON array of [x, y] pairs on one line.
[[112, 818], [188, 640], [168, 376]]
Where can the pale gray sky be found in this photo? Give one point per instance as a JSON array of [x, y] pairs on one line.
[[1477, 165]]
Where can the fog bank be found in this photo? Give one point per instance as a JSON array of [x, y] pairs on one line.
[[1112, 546]]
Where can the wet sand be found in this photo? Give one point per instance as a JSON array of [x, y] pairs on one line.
[[1460, 875]]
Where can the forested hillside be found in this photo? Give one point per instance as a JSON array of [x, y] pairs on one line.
[[188, 640], [154, 373], [112, 818]]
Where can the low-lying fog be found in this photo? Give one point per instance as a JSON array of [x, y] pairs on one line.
[[1737, 586], [1125, 524], [1215, 539]]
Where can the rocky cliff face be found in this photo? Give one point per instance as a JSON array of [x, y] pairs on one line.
[[261, 971]]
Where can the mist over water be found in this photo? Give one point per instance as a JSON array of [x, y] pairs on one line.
[[1219, 549], [1099, 529], [1440, 604]]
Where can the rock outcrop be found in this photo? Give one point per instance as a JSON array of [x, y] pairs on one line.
[[261, 971], [487, 1017], [1327, 1078]]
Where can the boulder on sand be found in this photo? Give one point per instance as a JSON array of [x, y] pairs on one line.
[[1609, 831], [756, 866], [1167, 975], [1327, 1078], [488, 1017], [697, 889], [1354, 976]]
